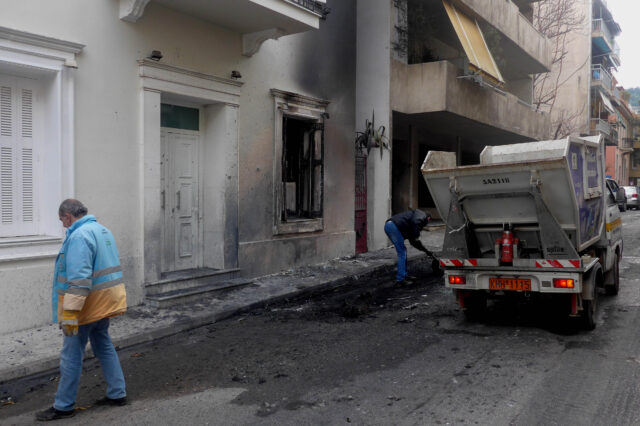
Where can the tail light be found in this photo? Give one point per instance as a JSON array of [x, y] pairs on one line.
[[457, 279], [563, 283]]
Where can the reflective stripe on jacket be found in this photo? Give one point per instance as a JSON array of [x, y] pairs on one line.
[[88, 276]]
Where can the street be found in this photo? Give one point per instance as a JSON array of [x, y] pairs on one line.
[[374, 354]]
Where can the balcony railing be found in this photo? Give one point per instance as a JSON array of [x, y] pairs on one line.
[[601, 75], [312, 6], [599, 26], [600, 125]]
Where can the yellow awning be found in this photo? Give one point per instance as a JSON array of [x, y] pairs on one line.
[[474, 44]]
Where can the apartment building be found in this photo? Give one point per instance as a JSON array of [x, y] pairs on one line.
[[589, 100], [461, 79]]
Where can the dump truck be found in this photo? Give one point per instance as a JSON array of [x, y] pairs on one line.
[[533, 219]]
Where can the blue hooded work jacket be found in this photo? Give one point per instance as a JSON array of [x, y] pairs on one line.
[[88, 276]]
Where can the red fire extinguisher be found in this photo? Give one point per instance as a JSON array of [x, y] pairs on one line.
[[507, 246]]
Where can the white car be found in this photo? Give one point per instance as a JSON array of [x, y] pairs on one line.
[[619, 194], [632, 193]]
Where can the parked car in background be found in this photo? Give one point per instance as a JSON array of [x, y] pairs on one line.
[[618, 193], [632, 192]]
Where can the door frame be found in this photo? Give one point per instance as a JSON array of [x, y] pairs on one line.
[[161, 82]]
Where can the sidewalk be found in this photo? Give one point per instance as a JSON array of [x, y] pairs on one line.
[[37, 350]]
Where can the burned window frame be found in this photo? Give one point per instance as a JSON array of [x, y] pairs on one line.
[[310, 112]]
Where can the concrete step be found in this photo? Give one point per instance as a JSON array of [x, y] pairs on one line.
[[190, 294], [191, 278]]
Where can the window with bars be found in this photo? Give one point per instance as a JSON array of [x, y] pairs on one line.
[[18, 205]]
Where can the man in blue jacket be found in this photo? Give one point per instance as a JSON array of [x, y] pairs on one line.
[[88, 289], [406, 226]]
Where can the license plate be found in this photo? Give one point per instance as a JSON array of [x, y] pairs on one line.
[[515, 284]]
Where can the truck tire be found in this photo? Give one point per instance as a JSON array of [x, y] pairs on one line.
[[475, 306], [612, 289], [590, 307]]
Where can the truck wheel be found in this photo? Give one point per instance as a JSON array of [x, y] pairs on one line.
[[475, 305], [590, 308], [612, 289]]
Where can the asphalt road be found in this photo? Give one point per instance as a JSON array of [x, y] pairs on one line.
[[374, 354]]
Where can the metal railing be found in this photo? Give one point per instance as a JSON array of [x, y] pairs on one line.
[[311, 5], [600, 125], [600, 74], [599, 26]]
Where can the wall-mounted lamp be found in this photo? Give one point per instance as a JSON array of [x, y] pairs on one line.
[[156, 55], [236, 74]]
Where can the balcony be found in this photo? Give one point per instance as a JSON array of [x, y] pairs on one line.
[[256, 20], [434, 91], [601, 36], [526, 50], [599, 125], [600, 77]]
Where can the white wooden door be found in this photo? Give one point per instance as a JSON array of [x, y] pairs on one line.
[[180, 199]]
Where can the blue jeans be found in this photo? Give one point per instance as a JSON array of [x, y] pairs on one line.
[[71, 364], [397, 239]]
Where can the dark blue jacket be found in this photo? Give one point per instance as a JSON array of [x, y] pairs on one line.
[[410, 223]]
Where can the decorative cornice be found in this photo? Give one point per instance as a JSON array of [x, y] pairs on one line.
[[132, 10], [39, 40], [251, 42], [166, 67], [299, 99]]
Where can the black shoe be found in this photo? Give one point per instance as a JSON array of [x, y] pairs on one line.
[[53, 414], [411, 278], [118, 402]]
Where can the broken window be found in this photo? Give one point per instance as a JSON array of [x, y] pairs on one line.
[[298, 166], [302, 168]]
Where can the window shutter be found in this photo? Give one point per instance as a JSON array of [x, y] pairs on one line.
[[6, 181], [6, 156], [17, 158], [26, 123]]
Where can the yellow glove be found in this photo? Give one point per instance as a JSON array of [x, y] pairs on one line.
[[69, 323]]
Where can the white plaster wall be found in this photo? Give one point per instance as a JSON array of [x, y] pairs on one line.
[[320, 64], [26, 294], [373, 71]]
